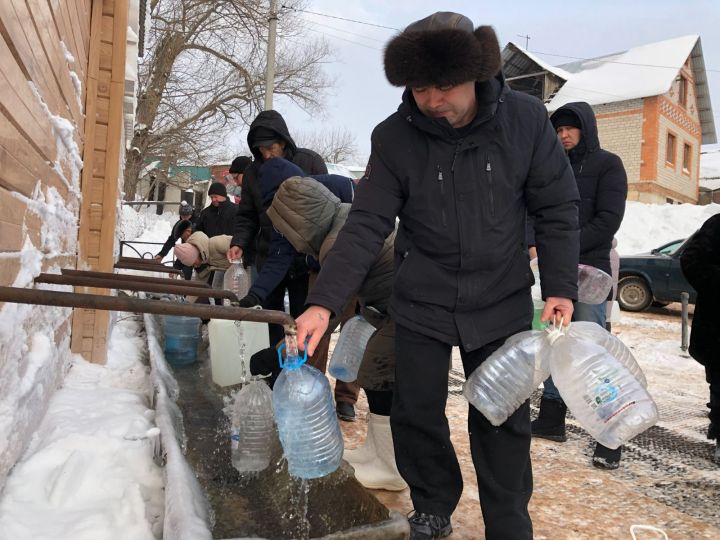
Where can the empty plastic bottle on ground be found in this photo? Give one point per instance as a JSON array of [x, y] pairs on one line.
[[602, 394], [236, 279], [350, 348], [505, 380], [181, 339], [593, 284], [306, 420], [252, 427]]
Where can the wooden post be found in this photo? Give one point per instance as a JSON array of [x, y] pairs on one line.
[[101, 169]]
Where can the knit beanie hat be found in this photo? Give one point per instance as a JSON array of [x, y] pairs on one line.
[[442, 50], [216, 188], [239, 164], [187, 253], [565, 118], [185, 209]]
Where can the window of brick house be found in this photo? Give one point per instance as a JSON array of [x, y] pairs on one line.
[[687, 158], [670, 149], [682, 90]]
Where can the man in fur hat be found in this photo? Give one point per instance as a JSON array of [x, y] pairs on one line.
[[460, 164]]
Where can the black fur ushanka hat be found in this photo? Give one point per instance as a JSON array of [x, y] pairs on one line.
[[442, 50]]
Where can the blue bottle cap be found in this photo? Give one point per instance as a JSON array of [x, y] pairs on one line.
[[291, 362]]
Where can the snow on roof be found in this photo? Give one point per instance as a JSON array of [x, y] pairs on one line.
[[541, 63], [647, 70]]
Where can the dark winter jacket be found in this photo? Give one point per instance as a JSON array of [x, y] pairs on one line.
[[216, 220], [175, 233], [461, 264], [282, 257], [700, 262], [253, 230], [602, 182]]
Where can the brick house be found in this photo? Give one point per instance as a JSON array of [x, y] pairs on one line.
[[652, 105]]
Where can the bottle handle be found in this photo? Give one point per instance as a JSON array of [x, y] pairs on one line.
[[291, 365]]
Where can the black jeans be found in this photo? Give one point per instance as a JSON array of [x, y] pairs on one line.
[[297, 288], [712, 376], [425, 456]]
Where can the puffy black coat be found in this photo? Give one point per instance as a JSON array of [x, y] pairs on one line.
[[602, 182], [700, 261], [217, 220], [253, 229], [462, 273]]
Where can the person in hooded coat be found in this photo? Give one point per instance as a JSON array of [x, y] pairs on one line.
[[282, 262], [206, 255], [461, 163], [269, 137], [181, 230], [310, 216], [700, 262], [602, 182]]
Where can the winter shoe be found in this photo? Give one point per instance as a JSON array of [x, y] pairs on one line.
[[550, 423], [716, 457], [366, 452], [380, 471], [606, 458], [345, 411], [427, 526], [713, 431]]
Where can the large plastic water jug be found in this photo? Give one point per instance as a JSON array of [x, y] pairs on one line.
[[505, 380], [305, 415], [252, 427], [232, 343], [236, 279], [593, 284], [181, 339], [350, 348], [601, 393], [590, 331]]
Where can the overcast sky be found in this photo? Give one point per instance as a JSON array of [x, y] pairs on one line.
[[362, 96]]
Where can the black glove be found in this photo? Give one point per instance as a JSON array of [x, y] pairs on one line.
[[249, 300]]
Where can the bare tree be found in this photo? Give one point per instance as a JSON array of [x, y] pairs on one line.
[[204, 75], [336, 145]]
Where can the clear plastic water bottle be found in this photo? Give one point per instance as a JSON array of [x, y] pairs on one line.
[[593, 284], [505, 380], [236, 279], [305, 415], [252, 427], [350, 348], [601, 393], [595, 333]]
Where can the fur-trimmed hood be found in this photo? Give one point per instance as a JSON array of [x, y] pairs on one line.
[[442, 50]]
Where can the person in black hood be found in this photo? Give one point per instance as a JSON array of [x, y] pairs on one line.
[[182, 229], [461, 163], [602, 183]]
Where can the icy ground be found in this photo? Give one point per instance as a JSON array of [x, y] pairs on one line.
[[90, 473]]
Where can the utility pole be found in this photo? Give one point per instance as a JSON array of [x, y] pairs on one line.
[[270, 69], [527, 41]]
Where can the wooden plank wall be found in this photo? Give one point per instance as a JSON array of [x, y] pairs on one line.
[[102, 157], [34, 67]]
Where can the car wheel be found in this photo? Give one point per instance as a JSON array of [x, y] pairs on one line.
[[634, 294]]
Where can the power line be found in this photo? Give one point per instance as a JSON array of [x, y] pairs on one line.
[[600, 59], [341, 18], [347, 32], [344, 39]]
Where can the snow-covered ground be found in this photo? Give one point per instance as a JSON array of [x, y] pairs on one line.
[[89, 472]]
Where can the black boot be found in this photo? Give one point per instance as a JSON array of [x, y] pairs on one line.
[[550, 423], [606, 458]]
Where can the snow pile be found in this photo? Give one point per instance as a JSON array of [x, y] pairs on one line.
[[89, 472], [647, 226]]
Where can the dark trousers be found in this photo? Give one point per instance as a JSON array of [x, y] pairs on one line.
[[425, 456], [712, 376], [297, 289]]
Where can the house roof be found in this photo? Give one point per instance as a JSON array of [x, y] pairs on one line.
[[644, 71]]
